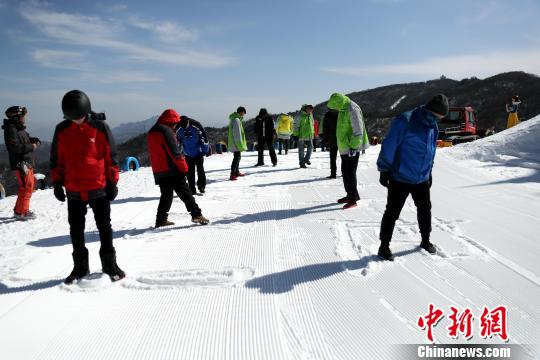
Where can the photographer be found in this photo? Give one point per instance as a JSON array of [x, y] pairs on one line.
[[20, 147], [83, 160]]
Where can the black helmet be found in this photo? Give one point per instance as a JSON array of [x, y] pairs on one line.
[[75, 105], [16, 112]]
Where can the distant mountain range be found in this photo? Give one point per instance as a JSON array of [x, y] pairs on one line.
[[380, 105]]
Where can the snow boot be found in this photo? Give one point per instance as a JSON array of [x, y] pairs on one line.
[[350, 204], [201, 190], [241, 174], [303, 166], [385, 253], [258, 164], [428, 246], [233, 178], [163, 223], [80, 267], [200, 220], [109, 266], [308, 162], [343, 200], [30, 215]]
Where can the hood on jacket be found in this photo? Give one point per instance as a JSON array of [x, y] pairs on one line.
[[13, 122], [169, 117], [263, 112], [338, 102], [235, 115]]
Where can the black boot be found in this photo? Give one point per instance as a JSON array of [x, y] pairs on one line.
[[385, 253], [428, 246], [109, 266], [80, 267]]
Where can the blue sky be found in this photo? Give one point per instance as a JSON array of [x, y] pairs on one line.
[[204, 58]]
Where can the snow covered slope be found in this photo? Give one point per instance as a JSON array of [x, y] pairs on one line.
[[281, 272]]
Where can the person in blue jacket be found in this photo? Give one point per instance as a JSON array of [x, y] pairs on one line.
[[192, 137], [405, 163]]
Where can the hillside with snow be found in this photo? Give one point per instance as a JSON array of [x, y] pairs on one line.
[[282, 272]]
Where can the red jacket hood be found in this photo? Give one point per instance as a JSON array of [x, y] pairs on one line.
[[169, 117]]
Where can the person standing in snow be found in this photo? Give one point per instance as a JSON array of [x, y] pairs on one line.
[[265, 133], [328, 132], [20, 147], [169, 167], [284, 130], [237, 140], [194, 141], [303, 131], [405, 163], [315, 134], [512, 110], [83, 160], [351, 136]]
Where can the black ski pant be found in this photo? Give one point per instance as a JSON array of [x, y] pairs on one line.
[[77, 218], [269, 141], [177, 184], [235, 166], [333, 158], [196, 164], [349, 164], [283, 142], [397, 194]]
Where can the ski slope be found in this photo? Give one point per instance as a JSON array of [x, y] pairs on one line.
[[282, 272]]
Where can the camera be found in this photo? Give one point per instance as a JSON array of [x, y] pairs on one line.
[[97, 116]]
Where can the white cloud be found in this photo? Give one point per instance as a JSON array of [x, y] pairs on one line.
[[92, 31], [167, 31], [457, 67], [58, 58]]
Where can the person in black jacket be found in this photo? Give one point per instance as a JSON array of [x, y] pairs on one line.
[[265, 132], [20, 147], [329, 136]]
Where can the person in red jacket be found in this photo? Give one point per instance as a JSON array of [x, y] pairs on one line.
[[169, 167], [83, 160]]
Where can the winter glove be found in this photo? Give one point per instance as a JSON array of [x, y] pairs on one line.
[[430, 181], [385, 178], [35, 140], [59, 193], [112, 190]]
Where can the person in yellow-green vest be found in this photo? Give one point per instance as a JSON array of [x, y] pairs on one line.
[[352, 138], [237, 140], [303, 130], [512, 110], [284, 129]]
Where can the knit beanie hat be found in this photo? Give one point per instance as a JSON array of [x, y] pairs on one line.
[[438, 104]]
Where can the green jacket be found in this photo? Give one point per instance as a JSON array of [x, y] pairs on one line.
[[303, 125], [237, 137], [351, 131]]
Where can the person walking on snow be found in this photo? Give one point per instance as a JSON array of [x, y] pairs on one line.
[[237, 140], [265, 133], [20, 147], [83, 160], [328, 133], [405, 163], [512, 109], [351, 136], [169, 167], [303, 130], [194, 141], [284, 130]]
